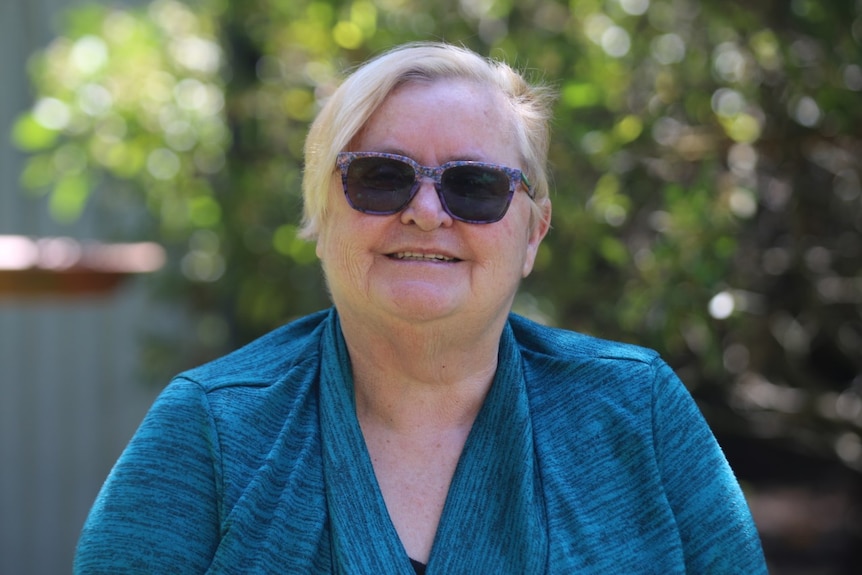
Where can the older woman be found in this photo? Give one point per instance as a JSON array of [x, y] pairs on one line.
[[418, 421]]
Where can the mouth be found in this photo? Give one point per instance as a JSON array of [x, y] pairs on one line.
[[420, 257]]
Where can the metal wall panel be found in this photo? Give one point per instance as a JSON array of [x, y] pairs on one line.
[[70, 399]]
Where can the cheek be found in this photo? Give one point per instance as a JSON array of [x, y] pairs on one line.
[[511, 249], [502, 252], [340, 258]]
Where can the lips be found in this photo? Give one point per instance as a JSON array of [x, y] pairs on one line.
[[423, 257]]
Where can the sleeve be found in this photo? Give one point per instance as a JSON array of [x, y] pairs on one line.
[[158, 510], [716, 527]]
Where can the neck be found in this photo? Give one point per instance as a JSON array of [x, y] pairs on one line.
[[412, 376]]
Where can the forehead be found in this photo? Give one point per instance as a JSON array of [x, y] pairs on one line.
[[457, 112]]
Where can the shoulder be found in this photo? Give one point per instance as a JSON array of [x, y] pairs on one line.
[[538, 342], [265, 360], [569, 372], [240, 404]]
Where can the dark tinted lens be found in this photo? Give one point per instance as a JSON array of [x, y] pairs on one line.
[[476, 193], [379, 184]]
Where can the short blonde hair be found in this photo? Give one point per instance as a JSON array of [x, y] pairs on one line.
[[363, 92]]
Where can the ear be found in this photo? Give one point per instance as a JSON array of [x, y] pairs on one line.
[[318, 244], [321, 226], [321, 248], [539, 226]]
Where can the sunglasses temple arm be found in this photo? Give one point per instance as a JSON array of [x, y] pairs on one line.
[[527, 183]]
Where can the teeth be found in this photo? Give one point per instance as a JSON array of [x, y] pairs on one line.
[[423, 257]]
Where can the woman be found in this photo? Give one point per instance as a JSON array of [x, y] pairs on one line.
[[418, 421]]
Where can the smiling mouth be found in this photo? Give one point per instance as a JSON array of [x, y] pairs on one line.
[[417, 257]]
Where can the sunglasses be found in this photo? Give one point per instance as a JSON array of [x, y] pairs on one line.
[[382, 184]]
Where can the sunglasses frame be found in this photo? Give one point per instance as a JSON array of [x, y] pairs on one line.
[[515, 176]]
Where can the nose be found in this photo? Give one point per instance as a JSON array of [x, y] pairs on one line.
[[426, 209]]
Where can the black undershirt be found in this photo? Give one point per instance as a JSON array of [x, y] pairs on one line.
[[418, 567]]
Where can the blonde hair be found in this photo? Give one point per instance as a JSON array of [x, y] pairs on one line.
[[362, 93]]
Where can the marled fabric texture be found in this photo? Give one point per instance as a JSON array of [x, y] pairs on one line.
[[587, 457]]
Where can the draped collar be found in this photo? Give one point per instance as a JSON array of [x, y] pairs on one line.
[[493, 520]]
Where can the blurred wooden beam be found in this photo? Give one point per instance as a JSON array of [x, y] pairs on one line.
[[33, 267]]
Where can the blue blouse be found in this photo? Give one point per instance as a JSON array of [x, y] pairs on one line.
[[588, 456]]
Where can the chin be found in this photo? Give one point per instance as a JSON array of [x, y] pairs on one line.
[[422, 304]]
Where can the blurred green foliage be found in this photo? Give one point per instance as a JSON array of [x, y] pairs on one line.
[[705, 162]]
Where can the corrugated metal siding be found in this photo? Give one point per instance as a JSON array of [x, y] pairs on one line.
[[70, 395], [70, 401]]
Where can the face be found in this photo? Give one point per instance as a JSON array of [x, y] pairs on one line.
[[420, 264]]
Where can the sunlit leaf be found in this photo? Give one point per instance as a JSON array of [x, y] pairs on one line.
[[38, 172], [69, 197], [628, 128], [613, 251], [581, 95], [347, 35], [31, 136], [204, 212]]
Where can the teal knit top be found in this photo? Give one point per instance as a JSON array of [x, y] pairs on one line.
[[587, 457]]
